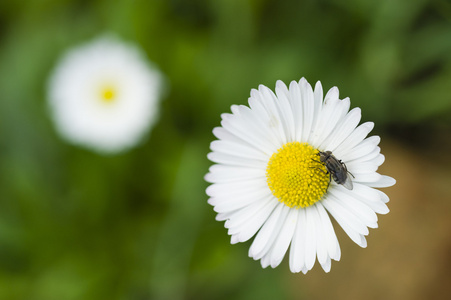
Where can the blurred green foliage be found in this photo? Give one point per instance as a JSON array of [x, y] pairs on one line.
[[76, 225]]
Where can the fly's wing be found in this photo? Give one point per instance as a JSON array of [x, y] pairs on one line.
[[348, 183]]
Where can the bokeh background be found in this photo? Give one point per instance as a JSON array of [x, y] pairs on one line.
[[78, 225]]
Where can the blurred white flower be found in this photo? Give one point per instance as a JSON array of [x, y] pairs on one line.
[[104, 95], [270, 181]]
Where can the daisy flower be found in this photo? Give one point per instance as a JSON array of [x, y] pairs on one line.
[[271, 178], [104, 95]]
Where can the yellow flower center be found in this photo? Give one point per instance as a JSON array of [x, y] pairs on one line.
[[295, 175], [108, 94]]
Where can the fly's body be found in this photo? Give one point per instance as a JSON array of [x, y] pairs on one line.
[[336, 168]]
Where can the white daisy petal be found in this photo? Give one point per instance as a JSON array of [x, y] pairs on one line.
[[383, 181], [227, 173], [259, 111], [239, 150], [286, 111], [332, 95], [296, 105], [243, 198], [364, 213], [284, 239], [351, 228], [104, 95], [245, 213], [237, 189], [274, 162], [223, 216], [225, 136], [271, 245], [343, 130], [265, 237], [234, 160], [379, 207], [252, 226], [267, 128], [362, 243], [370, 197], [327, 265], [355, 138], [307, 109], [379, 160], [383, 196], [224, 206], [246, 222], [327, 243], [362, 168], [353, 214], [265, 261], [330, 115], [321, 243], [333, 248], [310, 241], [368, 178], [240, 216], [366, 147], [335, 114], [297, 251], [370, 157], [318, 105], [276, 120], [247, 131], [266, 120]]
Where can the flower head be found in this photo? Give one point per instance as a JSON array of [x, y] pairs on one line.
[[274, 179], [104, 95]]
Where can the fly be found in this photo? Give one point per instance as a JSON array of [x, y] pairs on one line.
[[336, 169]]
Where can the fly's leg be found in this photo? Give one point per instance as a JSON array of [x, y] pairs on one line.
[[330, 179], [325, 172], [319, 170], [317, 167]]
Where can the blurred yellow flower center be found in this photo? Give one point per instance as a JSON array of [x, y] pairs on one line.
[[108, 94], [295, 175]]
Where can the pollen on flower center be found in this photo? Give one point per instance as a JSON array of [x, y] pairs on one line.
[[295, 175], [108, 94]]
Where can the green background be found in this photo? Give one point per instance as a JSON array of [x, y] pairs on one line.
[[78, 225]]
